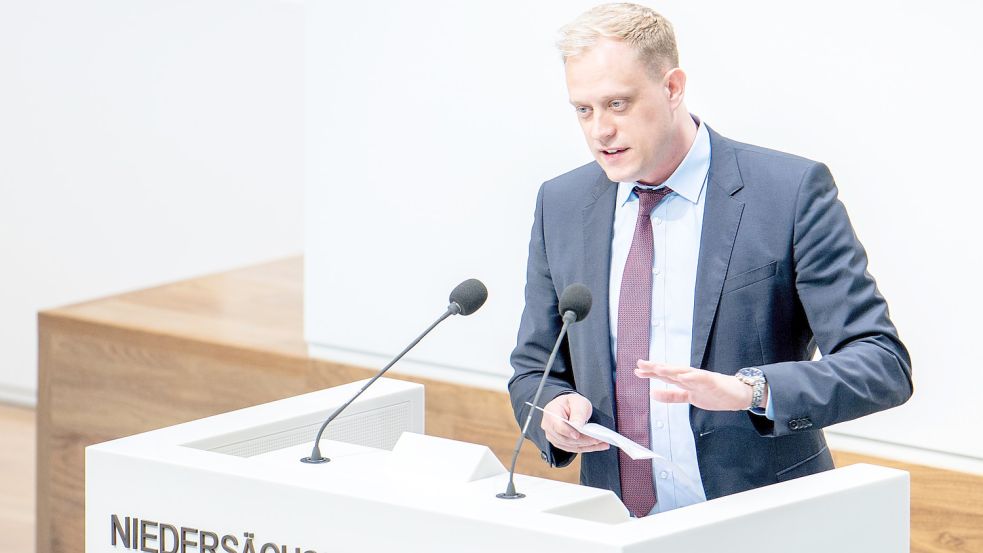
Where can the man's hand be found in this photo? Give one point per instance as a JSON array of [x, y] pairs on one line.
[[704, 389], [576, 409]]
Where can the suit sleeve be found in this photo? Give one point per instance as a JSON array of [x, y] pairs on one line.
[[538, 330], [865, 368]]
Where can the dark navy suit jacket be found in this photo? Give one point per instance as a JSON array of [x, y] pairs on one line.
[[780, 273]]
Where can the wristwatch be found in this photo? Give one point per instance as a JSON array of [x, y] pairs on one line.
[[753, 377]]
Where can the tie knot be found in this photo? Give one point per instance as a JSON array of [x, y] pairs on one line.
[[649, 198]]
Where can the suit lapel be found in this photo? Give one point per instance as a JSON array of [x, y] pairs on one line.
[[721, 219], [598, 217]]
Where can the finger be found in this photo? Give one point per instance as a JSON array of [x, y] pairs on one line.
[[558, 442], [576, 442], [652, 368], [588, 449], [599, 447], [649, 369], [580, 411], [660, 378], [644, 368], [560, 427], [665, 380], [668, 378], [563, 446], [694, 379], [671, 396], [573, 446], [575, 449]]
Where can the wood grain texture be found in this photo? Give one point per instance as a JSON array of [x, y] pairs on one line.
[[946, 506], [152, 358], [17, 479]]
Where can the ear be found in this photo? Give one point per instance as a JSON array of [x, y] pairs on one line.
[[675, 84]]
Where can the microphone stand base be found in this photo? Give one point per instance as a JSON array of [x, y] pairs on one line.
[[513, 495], [313, 461]]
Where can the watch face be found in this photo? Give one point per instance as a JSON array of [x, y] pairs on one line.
[[752, 372]]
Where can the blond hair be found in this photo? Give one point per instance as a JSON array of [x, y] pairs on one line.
[[642, 28]]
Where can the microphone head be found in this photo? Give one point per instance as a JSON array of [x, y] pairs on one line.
[[575, 298], [469, 296]]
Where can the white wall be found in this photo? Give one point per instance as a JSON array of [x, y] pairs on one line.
[[141, 142], [423, 167]]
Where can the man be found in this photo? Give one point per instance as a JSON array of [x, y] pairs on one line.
[[717, 269]]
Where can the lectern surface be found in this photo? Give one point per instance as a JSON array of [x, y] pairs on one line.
[[184, 488]]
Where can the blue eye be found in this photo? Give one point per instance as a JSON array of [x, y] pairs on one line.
[[582, 110], [619, 104]]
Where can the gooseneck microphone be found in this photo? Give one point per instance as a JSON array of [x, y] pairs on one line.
[[466, 298], [575, 302]]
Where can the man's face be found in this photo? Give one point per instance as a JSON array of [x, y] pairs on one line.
[[624, 111]]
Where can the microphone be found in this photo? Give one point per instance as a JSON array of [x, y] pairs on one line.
[[466, 298], [575, 302]]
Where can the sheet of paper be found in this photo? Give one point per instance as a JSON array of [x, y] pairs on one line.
[[605, 434], [631, 448]]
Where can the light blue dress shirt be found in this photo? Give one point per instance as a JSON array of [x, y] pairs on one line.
[[677, 227], [677, 224]]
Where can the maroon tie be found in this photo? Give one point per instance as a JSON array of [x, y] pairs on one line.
[[634, 329]]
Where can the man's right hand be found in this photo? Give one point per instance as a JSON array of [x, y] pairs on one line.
[[576, 409]]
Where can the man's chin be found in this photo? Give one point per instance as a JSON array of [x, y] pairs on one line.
[[617, 174]]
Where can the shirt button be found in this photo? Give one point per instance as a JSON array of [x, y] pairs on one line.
[[656, 271], [656, 323], [663, 475], [660, 424], [657, 221]]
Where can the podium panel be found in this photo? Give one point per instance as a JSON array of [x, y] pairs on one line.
[[233, 483]]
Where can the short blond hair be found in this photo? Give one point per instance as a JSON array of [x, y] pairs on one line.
[[642, 28]]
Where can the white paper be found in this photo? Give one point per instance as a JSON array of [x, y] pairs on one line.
[[606, 435], [631, 448]]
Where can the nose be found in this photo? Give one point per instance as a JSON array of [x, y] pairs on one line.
[[602, 130]]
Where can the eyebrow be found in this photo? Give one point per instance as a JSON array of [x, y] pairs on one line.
[[608, 98]]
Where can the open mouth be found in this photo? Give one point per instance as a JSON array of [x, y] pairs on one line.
[[612, 153]]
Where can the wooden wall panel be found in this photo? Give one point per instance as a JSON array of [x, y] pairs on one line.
[[946, 506], [17, 469], [152, 358], [97, 387]]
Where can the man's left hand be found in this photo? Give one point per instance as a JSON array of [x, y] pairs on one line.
[[704, 389]]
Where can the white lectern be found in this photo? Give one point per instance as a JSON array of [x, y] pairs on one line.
[[234, 483]]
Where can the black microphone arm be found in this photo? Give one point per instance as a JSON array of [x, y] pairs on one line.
[[466, 298], [575, 304]]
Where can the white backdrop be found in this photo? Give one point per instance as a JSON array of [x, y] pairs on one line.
[[431, 125], [141, 142]]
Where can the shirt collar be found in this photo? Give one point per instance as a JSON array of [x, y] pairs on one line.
[[689, 178]]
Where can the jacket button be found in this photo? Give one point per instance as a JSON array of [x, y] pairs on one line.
[[794, 425], [542, 455]]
